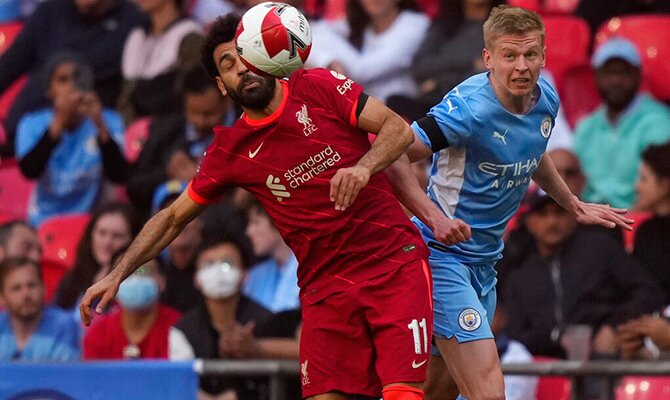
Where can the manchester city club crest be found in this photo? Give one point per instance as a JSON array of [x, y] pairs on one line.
[[545, 128], [469, 319]]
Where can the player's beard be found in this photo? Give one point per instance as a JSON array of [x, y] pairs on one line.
[[257, 98]]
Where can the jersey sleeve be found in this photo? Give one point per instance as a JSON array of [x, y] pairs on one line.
[[332, 91], [452, 120], [209, 182]]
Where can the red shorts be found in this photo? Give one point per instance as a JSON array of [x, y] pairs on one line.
[[371, 334]]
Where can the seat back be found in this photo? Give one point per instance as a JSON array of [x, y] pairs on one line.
[[136, 135], [15, 190], [643, 388], [533, 5], [651, 35], [60, 237], [565, 7], [552, 387], [52, 273], [579, 94], [568, 40], [8, 32]]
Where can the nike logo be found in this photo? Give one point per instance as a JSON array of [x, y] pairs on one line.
[[416, 365], [252, 154]]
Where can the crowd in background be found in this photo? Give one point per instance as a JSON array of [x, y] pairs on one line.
[[111, 111]]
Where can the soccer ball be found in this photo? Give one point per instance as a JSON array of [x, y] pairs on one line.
[[273, 39]]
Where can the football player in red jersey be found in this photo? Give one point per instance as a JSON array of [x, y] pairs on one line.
[[302, 149]]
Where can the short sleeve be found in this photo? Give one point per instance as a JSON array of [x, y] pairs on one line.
[[30, 130], [115, 126], [330, 90], [209, 183], [453, 118]]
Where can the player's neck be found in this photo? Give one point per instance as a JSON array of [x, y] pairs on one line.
[[24, 328], [271, 108]]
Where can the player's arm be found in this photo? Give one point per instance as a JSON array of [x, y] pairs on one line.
[[551, 182], [394, 136], [410, 193], [158, 232]]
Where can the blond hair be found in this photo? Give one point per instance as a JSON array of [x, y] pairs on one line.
[[506, 20]]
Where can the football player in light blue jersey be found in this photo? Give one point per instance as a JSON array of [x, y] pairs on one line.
[[487, 138]]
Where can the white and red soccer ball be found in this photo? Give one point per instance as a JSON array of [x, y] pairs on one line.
[[273, 39]]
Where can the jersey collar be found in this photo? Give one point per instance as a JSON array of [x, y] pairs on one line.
[[275, 115]]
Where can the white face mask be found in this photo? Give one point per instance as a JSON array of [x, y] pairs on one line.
[[219, 280]]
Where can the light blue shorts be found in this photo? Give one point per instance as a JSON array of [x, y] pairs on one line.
[[464, 298]]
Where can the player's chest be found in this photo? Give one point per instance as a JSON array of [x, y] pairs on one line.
[[512, 140]]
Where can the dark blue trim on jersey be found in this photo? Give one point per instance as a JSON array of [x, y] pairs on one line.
[[362, 99], [437, 139]]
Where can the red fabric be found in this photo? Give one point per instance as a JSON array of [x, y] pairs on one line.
[[287, 160], [105, 339], [373, 333], [401, 392]]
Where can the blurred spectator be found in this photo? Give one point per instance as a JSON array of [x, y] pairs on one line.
[[177, 141], [451, 50], [70, 146], [155, 56], [96, 29], [140, 328], [18, 239], [652, 237], [273, 283], [180, 292], [111, 228], [374, 46], [610, 140], [579, 275], [29, 331], [206, 11], [645, 337], [568, 167], [561, 134], [228, 324]]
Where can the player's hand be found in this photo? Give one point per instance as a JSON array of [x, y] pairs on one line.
[[603, 214], [450, 231], [105, 290], [346, 184]]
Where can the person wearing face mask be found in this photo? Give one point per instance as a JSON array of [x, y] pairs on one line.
[[228, 324], [139, 328]]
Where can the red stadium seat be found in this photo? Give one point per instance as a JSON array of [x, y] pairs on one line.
[[15, 190], [335, 9], [136, 135], [651, 35], [52, 273], [579, 95], [533, 5], [565, 7], [552, 387], [60, 236], [8, 32], [644, 388], [568, 40], [629, 236]]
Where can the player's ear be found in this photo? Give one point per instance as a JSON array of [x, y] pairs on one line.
[[544, 56], [486, 56], [221, 86]]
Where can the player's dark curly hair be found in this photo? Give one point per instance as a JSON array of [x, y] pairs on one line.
[[220, 31], [657, 157]]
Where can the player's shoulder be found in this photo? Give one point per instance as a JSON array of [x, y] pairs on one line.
[[549, 92]]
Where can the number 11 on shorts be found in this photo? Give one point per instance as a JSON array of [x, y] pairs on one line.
[[414, 326]]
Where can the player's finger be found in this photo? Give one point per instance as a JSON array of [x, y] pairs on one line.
[[85, 310], [352, 194], [335, 185], [345, 189], [107, 297], [458, 235]]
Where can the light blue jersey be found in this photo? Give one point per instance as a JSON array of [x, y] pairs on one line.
[[484, 159], [483, 174]]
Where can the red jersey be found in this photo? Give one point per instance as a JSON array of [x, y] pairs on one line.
[[287, 160], [106, 340]]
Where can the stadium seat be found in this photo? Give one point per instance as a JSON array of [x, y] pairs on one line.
[[60, 236], [3, 135], [651, 35], [533, 5], [565, 7], [15, 190], [52, 273], [8, 32], [644, 388], [579, 95], [552, 387], [629, 236], [136, 135], [568, 41], [335, 9]]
